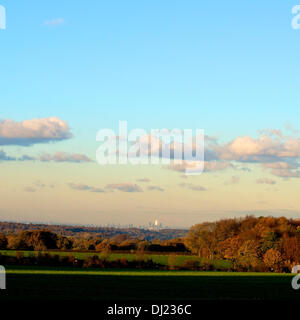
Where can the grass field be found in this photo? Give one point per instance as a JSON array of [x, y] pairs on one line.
[[49, 284], [157, 258]]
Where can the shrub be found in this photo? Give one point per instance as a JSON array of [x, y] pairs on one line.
[[189, 265], [173, 262]]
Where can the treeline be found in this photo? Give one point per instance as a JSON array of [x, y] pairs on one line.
[[43, 240], [252, 244], [103, 261], [85, 231]]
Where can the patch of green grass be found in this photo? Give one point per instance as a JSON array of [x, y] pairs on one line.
[[130, 272], [157, 258], [53, 284]]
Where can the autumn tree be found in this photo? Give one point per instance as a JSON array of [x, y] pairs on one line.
[[270, 241], [202, 240], [229, 248], [64, 243], [273, 259], [227, 228], [290, 248], [248, 254], [40, 239], [3, 241]]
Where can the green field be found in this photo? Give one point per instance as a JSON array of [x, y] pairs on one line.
[[49, 284], [157, 258]]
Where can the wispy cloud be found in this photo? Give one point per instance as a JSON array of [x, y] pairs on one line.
[[37, 186], [64, 157], [266, 181], [156, 188], [26, 157], [124, 187], [233, 180], [143, 180], [208, 166], [85, 187], [192, 187], [5, 157], [30, 189], [54, 22], [45, 157]]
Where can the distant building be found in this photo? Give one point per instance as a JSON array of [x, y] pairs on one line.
[[155, 226]]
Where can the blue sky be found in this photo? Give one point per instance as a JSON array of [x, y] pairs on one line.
[[143, 60], [230, 68]]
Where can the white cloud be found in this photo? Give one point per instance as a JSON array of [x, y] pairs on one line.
[[278, 153], [273, 150], [283, 169], [29, 132], [247, 149]]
